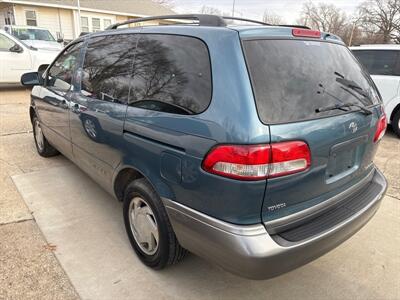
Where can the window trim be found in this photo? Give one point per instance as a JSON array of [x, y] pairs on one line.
[[88, 27], [26, 17], [104, 24], [99, 28]]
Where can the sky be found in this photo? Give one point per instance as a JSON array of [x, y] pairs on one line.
[[254, 9]]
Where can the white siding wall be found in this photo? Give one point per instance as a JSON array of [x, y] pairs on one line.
[[48, 18], [3, 12]]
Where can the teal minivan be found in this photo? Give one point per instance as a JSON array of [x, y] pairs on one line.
[[251, 146]]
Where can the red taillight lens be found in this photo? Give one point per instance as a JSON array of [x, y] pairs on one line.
[[255, 162], [380, 128], [289, 158], [306, 33]]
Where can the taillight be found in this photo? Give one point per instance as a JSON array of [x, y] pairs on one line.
[[306, 33], [255, 162], [380, 128], [288, 158]]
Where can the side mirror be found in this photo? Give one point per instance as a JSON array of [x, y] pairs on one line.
[[30, 79], [42, 69], [60, 40], [16, 48]]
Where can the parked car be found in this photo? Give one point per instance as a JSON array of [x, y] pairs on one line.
[[251, 146], [383, 63], [18, 58], [40, 38]]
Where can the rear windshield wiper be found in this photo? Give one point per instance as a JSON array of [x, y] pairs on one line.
[[352, 85], [363, 109]]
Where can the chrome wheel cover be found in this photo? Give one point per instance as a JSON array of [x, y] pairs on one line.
[[143, 225], [39, 138]]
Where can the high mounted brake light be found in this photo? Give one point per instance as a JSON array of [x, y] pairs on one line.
[[256, 162], [306, 33]]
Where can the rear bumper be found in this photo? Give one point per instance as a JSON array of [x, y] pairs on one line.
[[251, 252]]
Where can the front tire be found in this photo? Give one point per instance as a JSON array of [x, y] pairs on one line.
[[42, 145], [396, 123], [148, 227]]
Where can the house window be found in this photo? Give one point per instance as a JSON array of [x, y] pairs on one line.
[[30, 16], [107, 22], [84, 24], [95, 24]]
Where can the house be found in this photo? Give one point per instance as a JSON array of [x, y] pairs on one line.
[[61, 17]]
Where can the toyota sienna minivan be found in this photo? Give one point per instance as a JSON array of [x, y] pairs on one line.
[[250, 145]]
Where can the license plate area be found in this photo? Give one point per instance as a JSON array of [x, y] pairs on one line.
[[345, 158]]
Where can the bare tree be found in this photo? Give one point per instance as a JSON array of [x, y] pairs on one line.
[[272, 18], [209, 10], [382, 17], [324, 17]]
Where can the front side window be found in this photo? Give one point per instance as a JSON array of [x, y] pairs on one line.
[[30, 18], [380, 62], [107, 67], [5, 43], [293, 79], [84, 24], [60, 75], [171, 74], [96, 24]]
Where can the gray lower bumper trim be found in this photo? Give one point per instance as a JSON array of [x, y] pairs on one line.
[[250, 251]]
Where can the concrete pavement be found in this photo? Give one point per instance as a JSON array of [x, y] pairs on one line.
[[28, 267], [83, 227]]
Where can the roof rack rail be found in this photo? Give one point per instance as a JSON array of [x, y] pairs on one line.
[[246, 20], [204, 20]]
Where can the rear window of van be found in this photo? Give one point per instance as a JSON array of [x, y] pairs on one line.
[[291, 79]]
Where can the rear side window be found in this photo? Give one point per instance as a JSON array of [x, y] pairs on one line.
[[107, 67], [171, 74], [380, 62], [291, 79]]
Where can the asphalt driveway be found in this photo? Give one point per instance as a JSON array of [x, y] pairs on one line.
[[63, 238]]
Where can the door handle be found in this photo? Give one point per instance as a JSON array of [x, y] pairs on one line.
[[77, 108], [64, 104]]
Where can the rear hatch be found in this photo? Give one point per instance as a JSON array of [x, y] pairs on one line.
[[296, 83]]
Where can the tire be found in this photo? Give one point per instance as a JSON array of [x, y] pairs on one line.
[[42, 145], [150, 210], [396, 123]]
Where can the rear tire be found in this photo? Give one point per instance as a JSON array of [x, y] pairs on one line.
[[148, 227], [42, 145], [396, 123]]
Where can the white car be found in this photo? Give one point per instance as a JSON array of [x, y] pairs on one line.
[[17, 58], [383, 63], [37, 37]]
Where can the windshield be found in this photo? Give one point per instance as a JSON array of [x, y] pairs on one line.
[[292, 78], [32, 34]]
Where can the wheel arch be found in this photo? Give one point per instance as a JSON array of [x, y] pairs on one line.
[[32, 113], [127, 173], [395, 110]]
